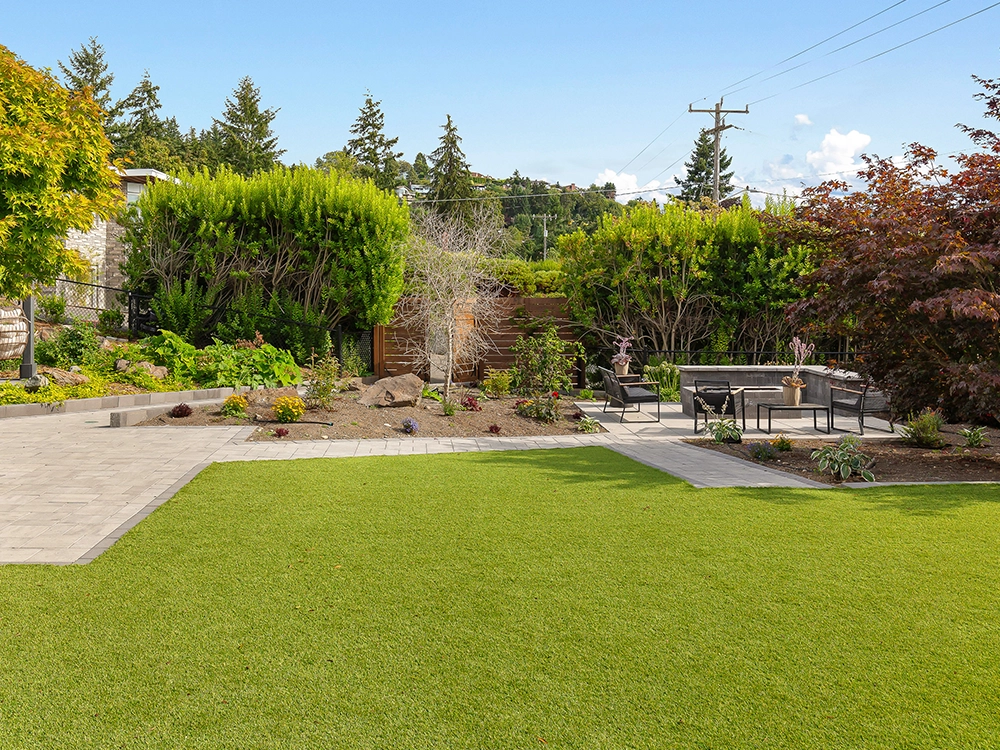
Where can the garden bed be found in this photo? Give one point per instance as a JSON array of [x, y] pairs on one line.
[[895, 461], [347, 420]]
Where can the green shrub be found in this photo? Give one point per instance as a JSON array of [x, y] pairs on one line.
[[844, 459], [183, 309], [52, 307], [543, 408], [588, 424], [924, 430], [542, 362], [223, 365], [497, 383], [288, 408], [78, 344], [325, 383], [782, 442], [586, 395], [352, 364], [449, 408], [110, 322]]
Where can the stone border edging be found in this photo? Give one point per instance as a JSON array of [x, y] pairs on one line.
[[115, 402]]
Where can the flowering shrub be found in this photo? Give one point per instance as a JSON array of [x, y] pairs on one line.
[[782, 442], [410, 426], [180, 411], [762, 451], [543, 408], [235, 406], [289, 408]]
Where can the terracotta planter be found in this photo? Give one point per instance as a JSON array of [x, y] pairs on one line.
[[792, 395], [621, 369]]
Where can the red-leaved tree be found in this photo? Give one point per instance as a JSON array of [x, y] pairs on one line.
[[911, 271]]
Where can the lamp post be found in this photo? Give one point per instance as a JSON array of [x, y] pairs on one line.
[[28, 367]]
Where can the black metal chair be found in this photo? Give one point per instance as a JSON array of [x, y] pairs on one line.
[[719, 397], [621, 392], [860, 402]]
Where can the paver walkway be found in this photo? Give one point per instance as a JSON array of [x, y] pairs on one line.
[[70, 486]]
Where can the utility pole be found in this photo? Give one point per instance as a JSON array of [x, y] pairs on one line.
[[545, 232], [720, 125]]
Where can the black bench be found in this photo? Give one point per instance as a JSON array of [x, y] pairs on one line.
[[622, 392], [861, 401]]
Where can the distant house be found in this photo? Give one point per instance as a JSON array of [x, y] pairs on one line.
[[101, 246]]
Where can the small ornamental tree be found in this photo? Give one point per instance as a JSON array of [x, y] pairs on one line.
[[55, 174], [911, 271]]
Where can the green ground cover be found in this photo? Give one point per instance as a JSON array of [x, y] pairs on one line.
[[567, 598]]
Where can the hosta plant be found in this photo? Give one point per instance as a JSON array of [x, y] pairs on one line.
[[844, 459]]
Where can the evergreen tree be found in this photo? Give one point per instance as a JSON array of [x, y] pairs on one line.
[[87, 69], [137, 131], [374, 153], [449, 174], [697, 184], [421, 169], [248, 144]]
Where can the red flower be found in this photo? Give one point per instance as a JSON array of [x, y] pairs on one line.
[[555, 394]]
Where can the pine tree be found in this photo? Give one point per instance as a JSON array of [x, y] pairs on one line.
[[248, 144], [87, 69], [374, 153], [697, 184], [137, 129], [420, 167], [449, 174]]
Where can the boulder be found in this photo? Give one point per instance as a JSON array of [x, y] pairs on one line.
[[121, 365], [356, 384], [400, 390], [32, 384], [63, 377], [156, 372]]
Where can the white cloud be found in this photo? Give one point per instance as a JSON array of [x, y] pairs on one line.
[[628, 188], [837, 152], [802, 120]]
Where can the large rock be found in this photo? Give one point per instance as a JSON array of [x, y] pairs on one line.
[[401, 390], [35, 382], [64, 378], [156, 372]]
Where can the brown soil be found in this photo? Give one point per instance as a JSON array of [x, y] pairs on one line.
[[349, 421], [895, 461]]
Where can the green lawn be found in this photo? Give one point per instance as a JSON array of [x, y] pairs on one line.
[[565, 599]]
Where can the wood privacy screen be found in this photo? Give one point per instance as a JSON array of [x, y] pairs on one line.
[[519, 314]]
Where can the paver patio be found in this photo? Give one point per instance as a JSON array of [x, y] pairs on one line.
[[70, 486]]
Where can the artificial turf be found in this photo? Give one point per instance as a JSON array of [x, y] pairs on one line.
[[564, 598]]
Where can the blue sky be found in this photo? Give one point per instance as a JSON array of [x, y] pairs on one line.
[[564, 91]]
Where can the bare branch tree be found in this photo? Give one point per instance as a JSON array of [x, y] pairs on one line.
[[452, 306]]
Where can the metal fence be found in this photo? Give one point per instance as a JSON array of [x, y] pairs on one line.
[[733, 357]]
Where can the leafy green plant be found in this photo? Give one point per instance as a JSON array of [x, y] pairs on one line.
[[497, 383], [235, 406], [224, 365], [184, 309], [449, 408], [844, 459], [723, 429], [668, 376], [586, 395], [543, 408], [52, 307], [325, 383], [430, 393], [110, 322], [288, 408], [924, 430], [782, 442], [975, 437], [761, 450], [588, 424], [542, 362], [78, 344], [353, 364]]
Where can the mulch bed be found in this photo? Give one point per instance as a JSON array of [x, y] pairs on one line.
[[895, 461], [349, 421]]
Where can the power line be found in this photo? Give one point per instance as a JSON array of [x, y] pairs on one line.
[[839, 49], [588, 191], [808, 49], [880, 54], [672, 123]]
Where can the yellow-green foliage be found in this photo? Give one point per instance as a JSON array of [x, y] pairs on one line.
[[235, 406], [51, 394], [288, 408], [54, 174], [497, 383], [326, 242]]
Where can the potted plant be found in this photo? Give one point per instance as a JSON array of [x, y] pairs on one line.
[[793, 385], [622, 358]]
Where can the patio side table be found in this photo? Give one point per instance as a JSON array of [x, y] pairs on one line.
[[800, 407]]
